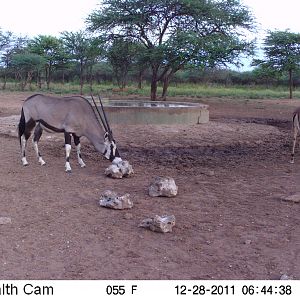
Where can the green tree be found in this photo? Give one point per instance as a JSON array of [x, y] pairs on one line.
[[13, 45], [25, 65], [282, 55], [94, 52], [5, 39], [83, 49], [172, 30], [5, 42], [121, 56], [50, 48], [63, 60]]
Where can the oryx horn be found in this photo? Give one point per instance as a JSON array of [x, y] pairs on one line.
[[103, 122], [104, 114]]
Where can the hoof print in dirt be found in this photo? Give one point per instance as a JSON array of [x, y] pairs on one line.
[[159, 223], [112, 200], [163, 186], [119, 170]]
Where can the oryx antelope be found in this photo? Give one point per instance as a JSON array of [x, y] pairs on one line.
[[75, 117], [295, 130]]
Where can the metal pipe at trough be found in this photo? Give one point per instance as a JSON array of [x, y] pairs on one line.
[[133, 112]]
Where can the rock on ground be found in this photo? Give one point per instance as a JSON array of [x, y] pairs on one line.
[[112, 200], [119, 170], [292, 198], [159, 223], [163, 186], [5, 220]]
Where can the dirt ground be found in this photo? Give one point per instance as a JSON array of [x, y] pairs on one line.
[[231, 221]]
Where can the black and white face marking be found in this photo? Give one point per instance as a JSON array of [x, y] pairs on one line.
[[110, 148]]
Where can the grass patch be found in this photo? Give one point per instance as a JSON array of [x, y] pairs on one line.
[[178, 90], [250, 92]]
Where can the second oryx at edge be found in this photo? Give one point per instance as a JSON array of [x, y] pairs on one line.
[[74, 116]]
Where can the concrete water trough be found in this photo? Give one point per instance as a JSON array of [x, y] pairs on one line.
[[134, 112]]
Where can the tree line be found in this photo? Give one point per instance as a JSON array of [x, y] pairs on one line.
[[157, 40]]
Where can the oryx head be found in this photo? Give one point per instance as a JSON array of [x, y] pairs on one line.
[[110, 148]]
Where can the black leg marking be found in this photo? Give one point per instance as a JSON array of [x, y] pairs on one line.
[[76, 139], [68, 150], [38, 131], [78, 148], [25, 131]]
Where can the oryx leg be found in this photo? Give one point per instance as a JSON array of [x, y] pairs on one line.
[[36, 137], [25, 133], [296, 129], [68, 151], [295, 133], [78, 148]]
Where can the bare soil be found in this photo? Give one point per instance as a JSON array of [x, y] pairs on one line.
[[231, 221]]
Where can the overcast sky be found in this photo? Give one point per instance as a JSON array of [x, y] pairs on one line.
[[33, 17]]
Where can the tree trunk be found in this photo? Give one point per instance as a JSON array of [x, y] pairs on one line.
[[23, 82], [4, 83], [81, 77], [39, 80], [291, 83], [91, 77], [153, 89], [166, 82], [29, 79], [140, 80], [47, 76], [154, 83]]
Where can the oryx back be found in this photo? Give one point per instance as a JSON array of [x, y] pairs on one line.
[[68, 114]]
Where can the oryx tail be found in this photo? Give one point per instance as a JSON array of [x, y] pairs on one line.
[[21, 126], [295, 131]]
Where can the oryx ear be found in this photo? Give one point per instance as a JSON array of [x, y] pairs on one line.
[[106, 135]]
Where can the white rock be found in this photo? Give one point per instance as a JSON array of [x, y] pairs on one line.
[[125, 168], [112, 200], [5, 220], [113, 171], [119, 169], [159, 223], [286, 277], [292, 198], [163, 186]]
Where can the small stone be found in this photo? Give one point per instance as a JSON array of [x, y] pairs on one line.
[[163, 186], [208, 172], [247, 242], [159, 223], [112, 200], [292, 198], [286, 277], [5, 220]]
